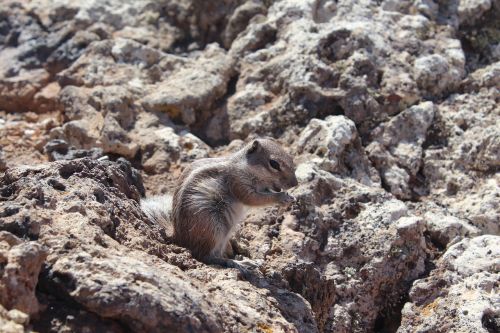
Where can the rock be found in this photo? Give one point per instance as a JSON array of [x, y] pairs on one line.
[[46, 99], [23, 135], [192, 90], [460, 156], [135, 281], [13, 321], [17, 92], [341, 66], [18, 317], [483, 77], [126, 103], [240, 20], [435, 74], [336, 147], [173, 147], [97, 65], [60, 316], [396, 147], [60, 150], [481, 207], [390, 109], [71, 50], [361, 248], [104, 116], [114, 138], [28, 44], [448, 229], [21, 264], [80, 133], [127, 51], [3, 163], [460, 294], [471, 10]]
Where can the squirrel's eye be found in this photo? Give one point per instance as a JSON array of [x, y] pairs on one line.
[[274, 165]]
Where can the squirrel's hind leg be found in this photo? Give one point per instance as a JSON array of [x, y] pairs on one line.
[[246, 270]]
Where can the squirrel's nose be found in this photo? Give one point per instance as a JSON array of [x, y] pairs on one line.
[[294, 182]]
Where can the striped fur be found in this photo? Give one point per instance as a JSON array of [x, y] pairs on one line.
[[213, 194]]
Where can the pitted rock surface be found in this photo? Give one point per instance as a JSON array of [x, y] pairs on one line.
[[390, 108]]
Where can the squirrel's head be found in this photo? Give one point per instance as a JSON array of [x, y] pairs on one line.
[[270, 164]]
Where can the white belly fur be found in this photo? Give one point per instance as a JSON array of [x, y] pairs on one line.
[[236, 214]]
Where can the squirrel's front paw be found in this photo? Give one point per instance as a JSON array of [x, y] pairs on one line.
[[286, 199]]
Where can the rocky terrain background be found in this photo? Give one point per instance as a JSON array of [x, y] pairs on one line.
[[391, 109]]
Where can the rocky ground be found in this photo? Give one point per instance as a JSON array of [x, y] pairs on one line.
[[391, 109]]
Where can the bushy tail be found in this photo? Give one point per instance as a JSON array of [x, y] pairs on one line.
[[158, 208]]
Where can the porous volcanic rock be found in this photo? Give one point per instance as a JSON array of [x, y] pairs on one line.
[[14, 321], [461, 294], [390, 108], [105, 257], [396, 147], [333, 145], [350, 250], [20, 265], [462, 157]]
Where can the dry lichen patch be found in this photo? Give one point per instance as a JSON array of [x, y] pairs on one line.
[[430, 308], [264, 328]]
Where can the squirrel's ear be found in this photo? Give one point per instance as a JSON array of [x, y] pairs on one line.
[[254, 147]]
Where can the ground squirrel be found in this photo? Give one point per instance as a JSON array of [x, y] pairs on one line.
[[212, 196]]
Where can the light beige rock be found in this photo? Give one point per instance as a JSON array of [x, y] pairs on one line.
[[21, 263], [193, 89], [465, 284], [334, 145], [396, 147], [13, 321], [471, 10]]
